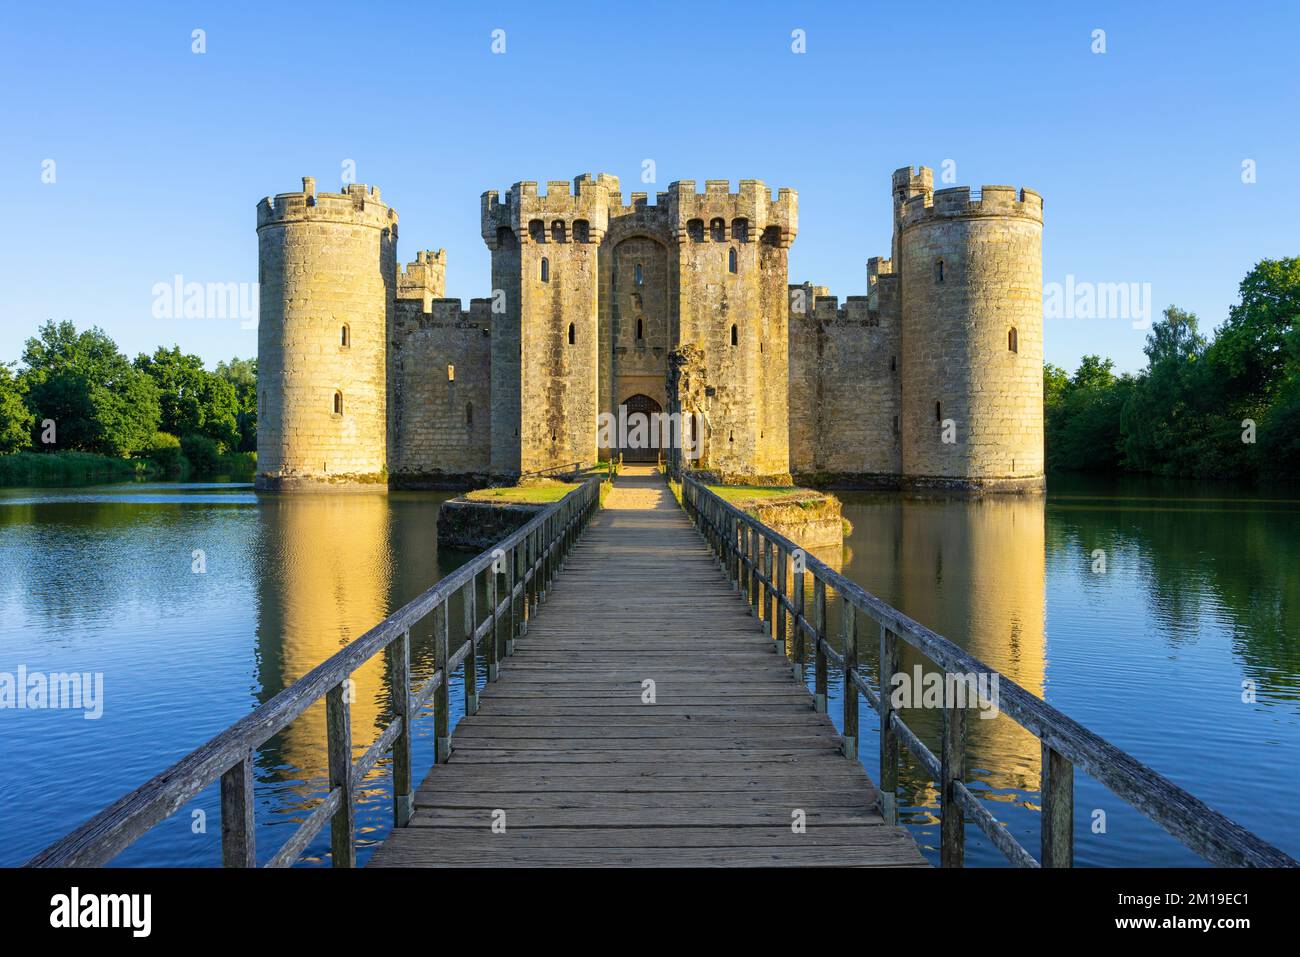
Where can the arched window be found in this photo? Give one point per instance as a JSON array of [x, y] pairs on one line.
[[338, 403], [938, 270], [557, 231], [537, 230], [1013, 339], [735, 336], [451, 372], [640, 328], [640, 275], [546, 269], [938, 412], [572, 334], [345, 338], [581, 231], [695, 230], [740, 230], [718, 230], [469, 414], [731, 260]]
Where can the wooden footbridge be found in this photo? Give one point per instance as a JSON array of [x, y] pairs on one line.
[[648, 707]]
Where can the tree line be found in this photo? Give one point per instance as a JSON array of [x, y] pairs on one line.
[[1222, 407], [76, 392]]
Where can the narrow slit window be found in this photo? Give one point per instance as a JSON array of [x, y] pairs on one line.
[[938, 271], [451, 372], [938, 412], [735, 335], [640, 275], [345, 337], [338, 403], [1013, 340], [469, 414], [572, 334], [640, 329], [546, 269], [731, 260]]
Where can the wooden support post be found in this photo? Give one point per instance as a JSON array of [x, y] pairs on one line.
[[512, 622], [888, 738], [769, 592], [797, 650], [442, 694], [733, 551], [469, 598], [399, 690], [490, 639], [1058, 809], [238, 842], [819, 645], [849, 620], [952, 761], [778, 601], [338, 733], [522, 574], [754, 546]]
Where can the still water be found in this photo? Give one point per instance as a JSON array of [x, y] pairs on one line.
[[1200, 593]]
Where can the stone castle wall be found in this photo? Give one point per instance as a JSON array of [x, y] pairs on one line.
[[685, 301], [973, 337], [327, 274], [442, 393]]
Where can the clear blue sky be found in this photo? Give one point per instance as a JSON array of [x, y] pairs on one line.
[[162, 154]]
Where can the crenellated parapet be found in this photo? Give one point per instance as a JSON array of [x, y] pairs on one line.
[[425, 278], [358, 205], [578, 214], [747, 215], [960, 202]]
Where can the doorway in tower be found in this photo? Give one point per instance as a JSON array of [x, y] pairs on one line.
[[641, 442]]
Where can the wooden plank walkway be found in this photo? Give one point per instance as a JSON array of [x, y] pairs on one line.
[[711, 774]]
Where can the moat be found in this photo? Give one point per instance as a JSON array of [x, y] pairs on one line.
[[1198, 594]]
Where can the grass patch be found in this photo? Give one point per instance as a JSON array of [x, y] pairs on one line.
[[533, 493], [755, 493]]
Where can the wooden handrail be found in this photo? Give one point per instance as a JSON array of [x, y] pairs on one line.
[[228, 756], [739, 540]]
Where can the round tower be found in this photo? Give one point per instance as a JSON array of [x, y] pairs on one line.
[[972, 339], [327, 271]]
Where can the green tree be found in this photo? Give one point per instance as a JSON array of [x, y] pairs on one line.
[[15, 417], [1160, 423], [242, 374], [98, 401], [193, 401]]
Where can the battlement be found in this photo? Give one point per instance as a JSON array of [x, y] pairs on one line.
[[878, 267], [752, 202], [358, 205], [523, 207], [425, 278], [961, 201]]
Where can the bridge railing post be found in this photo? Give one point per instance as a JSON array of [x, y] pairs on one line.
[[490, 642], [1057, 789], [512, 624], [769, 590], [754, 545], [441, 694], [778, 603], [399, 691], [797, 649], [888, 737], [952, 765], [849, 623], [338, 733], [238, 825], [819, 644], [469, 596]]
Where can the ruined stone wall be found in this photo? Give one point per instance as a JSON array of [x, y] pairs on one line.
[[972, 337], [442, 393], [327, 272]]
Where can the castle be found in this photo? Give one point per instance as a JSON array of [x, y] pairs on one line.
[[369, 376]]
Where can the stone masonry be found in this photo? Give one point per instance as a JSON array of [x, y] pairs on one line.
[[370, 377]]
